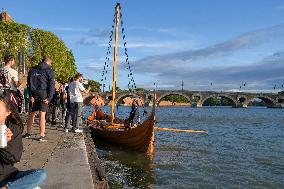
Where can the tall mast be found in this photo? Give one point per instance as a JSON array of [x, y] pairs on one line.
[[117, 15]]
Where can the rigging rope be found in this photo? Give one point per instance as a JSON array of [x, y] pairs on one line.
[[131, 82]]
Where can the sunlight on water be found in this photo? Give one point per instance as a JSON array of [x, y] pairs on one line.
[[244, 149]]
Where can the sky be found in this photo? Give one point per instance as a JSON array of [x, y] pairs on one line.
[[207, 45]]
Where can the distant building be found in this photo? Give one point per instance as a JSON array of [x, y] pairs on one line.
[[5, 17]]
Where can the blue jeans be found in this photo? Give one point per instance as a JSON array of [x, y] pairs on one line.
[[26, 179]]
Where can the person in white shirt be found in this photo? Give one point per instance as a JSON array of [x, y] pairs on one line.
[[11, 74], [10, 81], [75, 91]]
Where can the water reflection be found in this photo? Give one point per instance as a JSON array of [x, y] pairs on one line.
[[126, 168], [244, 149]]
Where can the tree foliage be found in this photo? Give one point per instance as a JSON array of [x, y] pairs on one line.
[[94, 85], [13, 38], [176, 98], [34, 44], [46, 43], [138, 90], [217, 101]]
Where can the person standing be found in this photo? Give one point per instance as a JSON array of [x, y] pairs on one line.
[[134, 116], [10, 79], [12, 75], [68, 116], [41, 85], [63, 102], [75, 91]]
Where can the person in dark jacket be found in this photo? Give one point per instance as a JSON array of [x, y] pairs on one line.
[[41, 84], [134, 116], [54, 106], [68, 117], [11, 177]]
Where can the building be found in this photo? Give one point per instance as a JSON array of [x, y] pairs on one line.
[[5, 17]]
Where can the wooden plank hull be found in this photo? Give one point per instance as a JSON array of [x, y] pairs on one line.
[[140, 138]]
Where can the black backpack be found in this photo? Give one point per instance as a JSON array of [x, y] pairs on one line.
[[37, 79]]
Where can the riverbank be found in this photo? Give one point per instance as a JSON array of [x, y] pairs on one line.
[[70, 158]]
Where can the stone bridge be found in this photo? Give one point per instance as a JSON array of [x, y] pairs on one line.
[[196, 98]]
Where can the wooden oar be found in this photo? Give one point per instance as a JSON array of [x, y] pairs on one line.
[[180, 130]]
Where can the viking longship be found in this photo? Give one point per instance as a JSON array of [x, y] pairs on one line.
[[139, 137]]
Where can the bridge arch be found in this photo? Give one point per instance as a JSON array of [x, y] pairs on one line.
[[171, 93], [267, 100], [94, 99], [230, 98], [242, 99], [121, 97]]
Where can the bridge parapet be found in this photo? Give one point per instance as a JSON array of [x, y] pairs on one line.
[[197, 98]]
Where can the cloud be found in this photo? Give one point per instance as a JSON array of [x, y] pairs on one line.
[[95, 37], [63, 28], [70, 29], [168, 31], [259, 76], [100, 33], [185, 58], [155, 43], [241, 42]]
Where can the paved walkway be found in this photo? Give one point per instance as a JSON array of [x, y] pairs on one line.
[[64, 155]]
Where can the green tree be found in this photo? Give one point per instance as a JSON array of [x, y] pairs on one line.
[[212, 101], [176, 98], [34, 44], [94, 85], [46, 43], [138, 90], [217, 101], [13, 38]]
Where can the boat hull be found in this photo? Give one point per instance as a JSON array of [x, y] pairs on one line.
[[139, 138]]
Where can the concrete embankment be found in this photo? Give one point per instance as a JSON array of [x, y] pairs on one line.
[[70, 159]]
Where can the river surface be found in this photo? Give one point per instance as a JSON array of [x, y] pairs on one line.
[[244, 148]]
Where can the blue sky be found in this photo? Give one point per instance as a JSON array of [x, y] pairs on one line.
[[223, 42]]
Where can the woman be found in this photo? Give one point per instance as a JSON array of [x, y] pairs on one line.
[[10, 177]]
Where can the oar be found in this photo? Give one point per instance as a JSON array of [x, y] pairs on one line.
[[180, 130]]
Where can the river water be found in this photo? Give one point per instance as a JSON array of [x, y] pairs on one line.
[[244, 148]]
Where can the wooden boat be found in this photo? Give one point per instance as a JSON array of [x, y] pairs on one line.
[[139, 137]]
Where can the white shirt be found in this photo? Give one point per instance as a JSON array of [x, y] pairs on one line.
[[12, 76], [75, 89]]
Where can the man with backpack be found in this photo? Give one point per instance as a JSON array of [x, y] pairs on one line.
[[41, 85]]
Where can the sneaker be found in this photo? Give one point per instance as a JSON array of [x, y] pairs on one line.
[[78, 131], [42, 138], [27, 135], [66, 130]]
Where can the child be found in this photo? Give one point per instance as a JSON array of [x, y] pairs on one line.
[[10, 177]]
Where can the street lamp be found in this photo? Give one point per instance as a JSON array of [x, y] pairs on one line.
[[181, 85], [156, 85]]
